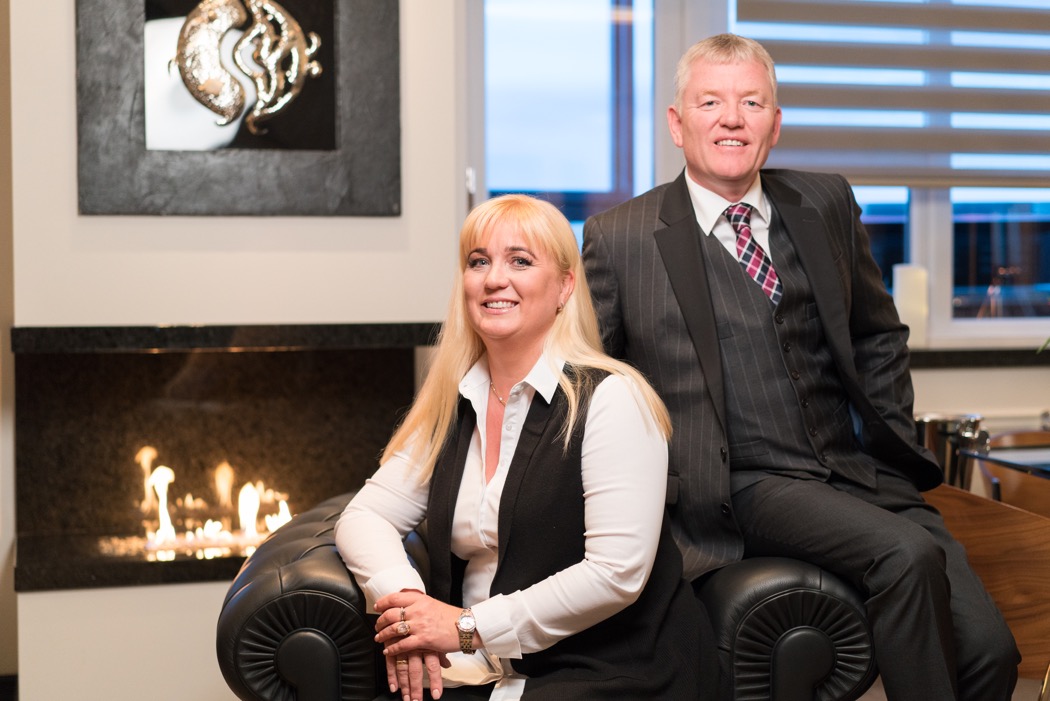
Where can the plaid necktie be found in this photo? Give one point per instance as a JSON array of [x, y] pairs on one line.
[[752, 257]]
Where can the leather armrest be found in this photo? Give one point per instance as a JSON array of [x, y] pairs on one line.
[[294, 623], [788, 630]]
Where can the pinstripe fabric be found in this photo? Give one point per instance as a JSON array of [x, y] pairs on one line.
[[790, 414], [654, 299]]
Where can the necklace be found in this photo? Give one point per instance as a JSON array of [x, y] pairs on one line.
[[502, 401]]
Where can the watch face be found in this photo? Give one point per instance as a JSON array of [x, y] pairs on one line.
[[466, 622]]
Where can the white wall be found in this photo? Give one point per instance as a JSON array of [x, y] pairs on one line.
[[1007, 398], [155, 643], [74, 270], [70, 270]]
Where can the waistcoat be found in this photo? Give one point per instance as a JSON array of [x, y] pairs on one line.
[[541, 532], [786, 409]]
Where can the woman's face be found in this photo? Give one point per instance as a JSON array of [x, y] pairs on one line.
[[513, 292]]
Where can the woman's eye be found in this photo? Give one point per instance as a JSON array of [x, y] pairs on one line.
[[477, 262], [520, 262]]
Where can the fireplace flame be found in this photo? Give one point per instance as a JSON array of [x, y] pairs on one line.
[[224, 484], [248, 510], [159, 480], [275, 521], [212, 538], [145, 457]]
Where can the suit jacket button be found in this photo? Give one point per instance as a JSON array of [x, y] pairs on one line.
[[724, 453], [725, 509]]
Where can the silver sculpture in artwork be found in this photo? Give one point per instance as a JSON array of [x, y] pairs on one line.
[[274, 53]]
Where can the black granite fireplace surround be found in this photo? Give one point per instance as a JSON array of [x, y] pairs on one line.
[[305, 409]]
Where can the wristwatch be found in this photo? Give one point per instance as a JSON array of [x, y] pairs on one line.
[[466, 624]]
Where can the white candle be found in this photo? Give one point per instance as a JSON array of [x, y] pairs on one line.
[[911, 296]]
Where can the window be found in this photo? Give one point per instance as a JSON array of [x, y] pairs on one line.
[[944, 101], [568, 101], [1002, 253], [936, 111]]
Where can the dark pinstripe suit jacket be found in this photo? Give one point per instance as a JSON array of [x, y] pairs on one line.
[[645, 267]]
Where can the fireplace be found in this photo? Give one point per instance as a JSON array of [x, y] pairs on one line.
[[113, 423]]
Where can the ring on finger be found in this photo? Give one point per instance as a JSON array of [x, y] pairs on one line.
[[403, 628], [402, 614], [402, 662]]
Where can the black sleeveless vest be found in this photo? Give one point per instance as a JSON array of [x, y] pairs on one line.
[[651, 649]]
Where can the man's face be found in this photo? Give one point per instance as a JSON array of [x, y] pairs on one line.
[[726, 125]]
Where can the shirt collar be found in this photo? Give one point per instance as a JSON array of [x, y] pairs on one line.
[[543, 377], [710, 207]]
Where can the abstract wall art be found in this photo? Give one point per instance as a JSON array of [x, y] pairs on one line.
[[238, 107]]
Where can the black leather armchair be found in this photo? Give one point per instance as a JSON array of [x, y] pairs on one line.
[[293, 626]]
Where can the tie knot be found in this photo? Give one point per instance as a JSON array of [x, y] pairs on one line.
[[739, 215]]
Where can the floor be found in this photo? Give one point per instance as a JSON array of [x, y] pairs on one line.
[[1026, 690]]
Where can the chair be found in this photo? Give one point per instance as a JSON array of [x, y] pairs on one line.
[[293, 625]]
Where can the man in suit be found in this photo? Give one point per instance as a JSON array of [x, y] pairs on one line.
[[791, 398]]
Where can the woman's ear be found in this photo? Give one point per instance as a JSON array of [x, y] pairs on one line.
[[568, 284]]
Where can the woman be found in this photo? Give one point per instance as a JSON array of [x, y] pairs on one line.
[[540, 465]]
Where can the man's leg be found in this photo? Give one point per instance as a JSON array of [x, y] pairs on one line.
[[894, 562], [986, 654]]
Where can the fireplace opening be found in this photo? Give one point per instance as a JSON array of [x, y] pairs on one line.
[[140, 465]]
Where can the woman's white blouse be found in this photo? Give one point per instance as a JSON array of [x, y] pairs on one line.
[[624, 471]]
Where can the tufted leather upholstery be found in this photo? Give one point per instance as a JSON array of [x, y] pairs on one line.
[[293, 626]]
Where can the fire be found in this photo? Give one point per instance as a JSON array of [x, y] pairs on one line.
[[206, 538]]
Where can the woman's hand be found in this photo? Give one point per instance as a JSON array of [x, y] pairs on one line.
[[411, 620], [405, 672], [416, 632]]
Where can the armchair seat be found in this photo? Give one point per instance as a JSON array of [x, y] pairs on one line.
[[294, 625]]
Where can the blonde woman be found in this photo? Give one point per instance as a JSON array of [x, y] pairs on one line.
[[540, 465]]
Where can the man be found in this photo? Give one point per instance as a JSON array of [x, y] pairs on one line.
[[791, 399]]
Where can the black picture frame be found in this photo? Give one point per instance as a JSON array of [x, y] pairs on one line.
[[118, 175]]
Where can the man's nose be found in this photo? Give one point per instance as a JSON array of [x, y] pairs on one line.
[[731, 115]]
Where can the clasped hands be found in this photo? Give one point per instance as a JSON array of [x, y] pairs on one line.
[[416, 632]]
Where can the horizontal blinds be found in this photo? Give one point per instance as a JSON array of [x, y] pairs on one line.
[[931, 94]]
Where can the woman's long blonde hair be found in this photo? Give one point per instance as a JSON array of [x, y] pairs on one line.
[[573, 337]]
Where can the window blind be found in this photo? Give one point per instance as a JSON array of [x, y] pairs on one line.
[[928, 94]]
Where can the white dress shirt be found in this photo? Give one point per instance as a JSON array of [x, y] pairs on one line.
[[710, 215], [624, 471]]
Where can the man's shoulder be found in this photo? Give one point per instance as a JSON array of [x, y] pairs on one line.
[[646, 204], [802, 178]]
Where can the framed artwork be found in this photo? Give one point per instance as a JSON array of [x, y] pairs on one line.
[[238, 107]]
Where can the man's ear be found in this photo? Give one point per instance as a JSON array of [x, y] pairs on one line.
[[674, 125]]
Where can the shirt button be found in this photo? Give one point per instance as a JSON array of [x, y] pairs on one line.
[[812, 431], [805, 403], [795, 374], [787, 346], [823, 457], [779, 318]]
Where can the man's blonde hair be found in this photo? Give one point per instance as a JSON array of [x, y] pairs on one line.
[[722, 49]]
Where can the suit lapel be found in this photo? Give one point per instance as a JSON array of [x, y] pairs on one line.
[[683, 259], [806, 231]]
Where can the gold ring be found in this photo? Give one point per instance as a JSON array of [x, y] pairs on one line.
[[402, 614], [403, 628], [401, 662]]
